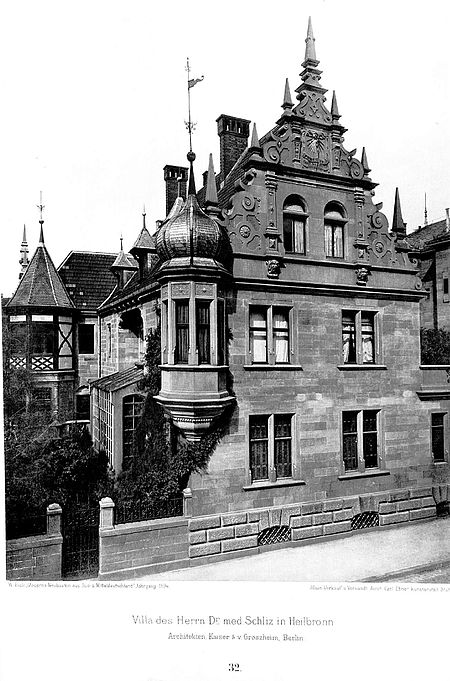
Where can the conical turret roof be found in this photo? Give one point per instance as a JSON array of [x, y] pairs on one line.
[[41, 285]]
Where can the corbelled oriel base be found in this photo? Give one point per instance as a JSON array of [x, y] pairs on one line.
[[193, 396]]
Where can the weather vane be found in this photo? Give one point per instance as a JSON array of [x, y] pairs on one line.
[[41, 208], [190, 126]]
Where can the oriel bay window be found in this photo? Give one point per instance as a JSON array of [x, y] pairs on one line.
[[270, 447], [360, 440], [193, 328], [269, 335], [294, 225], [359, 337]]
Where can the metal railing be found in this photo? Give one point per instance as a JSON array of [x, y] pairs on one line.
[[136, 511]]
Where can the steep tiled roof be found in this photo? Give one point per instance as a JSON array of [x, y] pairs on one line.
[[119, 380], [88, 277], [144, 240], [41, 285], [424, 235]]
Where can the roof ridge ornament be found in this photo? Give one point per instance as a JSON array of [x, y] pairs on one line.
[[310, 50], [41, 218]]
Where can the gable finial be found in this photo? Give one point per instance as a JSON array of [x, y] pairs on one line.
[[287, 99], [398, 226], [121, 242], [334, 107], [364, 162], [211, 187], [143, 215], [310, 50], [41, 218]]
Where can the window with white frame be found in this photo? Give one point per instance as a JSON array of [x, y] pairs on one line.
[[334, 223], [270, 447], [294, 225], [360, 440], [269, 335], [105, 423], [359, 337], [438, 436], [131, 411]]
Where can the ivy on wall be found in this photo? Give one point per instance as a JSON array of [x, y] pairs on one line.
[[162, 458]]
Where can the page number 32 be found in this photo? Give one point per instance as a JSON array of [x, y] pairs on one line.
[[234, 667]]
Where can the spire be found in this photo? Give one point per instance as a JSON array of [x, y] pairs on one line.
[[364, 162], [398, 226], [121, 243], [334, 107], [211, 188], [143, 216], [310, 51], [24, 262], [287, 99]]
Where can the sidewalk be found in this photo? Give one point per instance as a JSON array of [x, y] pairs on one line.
[[352, 558]]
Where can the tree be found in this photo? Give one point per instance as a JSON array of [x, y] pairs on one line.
[[435, 346]]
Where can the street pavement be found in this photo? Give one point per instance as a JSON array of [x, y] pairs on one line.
[[419, 552]]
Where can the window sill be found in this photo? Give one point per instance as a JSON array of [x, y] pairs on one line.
[[273, 367], [361, 367], [440, 463], [266, 484], [366, 474]]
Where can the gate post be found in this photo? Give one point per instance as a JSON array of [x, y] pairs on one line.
[[106, 513], [54, 557], [187, 502], [54, 512]]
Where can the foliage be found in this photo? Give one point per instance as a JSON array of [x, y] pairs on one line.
[[46, 468], [163, 460], [435, 346]]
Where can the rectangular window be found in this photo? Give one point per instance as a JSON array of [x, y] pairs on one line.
[[83, 406], [181, 331], [334, 240], [445, 289], [18, 338], [203, 331], [269, 335], [358, 337], [294, 234], [258, 335], [360, 439], [270, 447], [132, 406], [42, 338], [438, 437], [86, 339], [221, 341]]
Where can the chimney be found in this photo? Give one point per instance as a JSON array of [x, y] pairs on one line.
[[233, 133], [447, 220], [171, 178]]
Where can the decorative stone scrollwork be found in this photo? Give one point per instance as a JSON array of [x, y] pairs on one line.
[[273, 268], [362, 275], [379, 221], [272, 154], [356, 170], [180, 290], [248, 202]]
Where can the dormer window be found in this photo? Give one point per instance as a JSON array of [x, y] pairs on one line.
[[334, 221], [294, 225]]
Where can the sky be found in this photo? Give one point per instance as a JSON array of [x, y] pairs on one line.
[[94, 103]]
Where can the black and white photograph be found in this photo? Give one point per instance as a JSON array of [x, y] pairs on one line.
[[224, 281]]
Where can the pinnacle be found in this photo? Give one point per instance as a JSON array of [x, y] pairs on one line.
[[211, 188], [254, 143], [287, 99], [398, 225], [364, 161], [334, 106], [310, 51]]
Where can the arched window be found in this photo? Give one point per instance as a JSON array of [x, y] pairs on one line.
[[131, 411], [294, 225], [334, 220]]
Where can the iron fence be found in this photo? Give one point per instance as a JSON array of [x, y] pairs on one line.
[[26, 525], [146, 509]]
